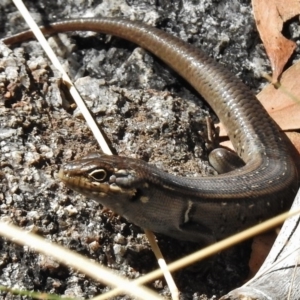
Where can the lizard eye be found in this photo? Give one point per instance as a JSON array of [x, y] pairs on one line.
[[98, 175]]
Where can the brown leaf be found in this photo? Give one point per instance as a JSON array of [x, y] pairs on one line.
[[269, 17], [295, 139], [282, 103], [261, 247]]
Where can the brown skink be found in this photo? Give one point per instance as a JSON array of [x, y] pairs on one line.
[[196, 209]]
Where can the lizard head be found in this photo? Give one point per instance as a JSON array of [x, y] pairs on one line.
[[108, 179]]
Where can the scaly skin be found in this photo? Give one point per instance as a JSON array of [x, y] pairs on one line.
[[196, 209]]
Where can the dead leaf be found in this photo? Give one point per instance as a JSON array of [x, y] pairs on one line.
[[282, 103], [269, 17], [295, 139], [261, 247]]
